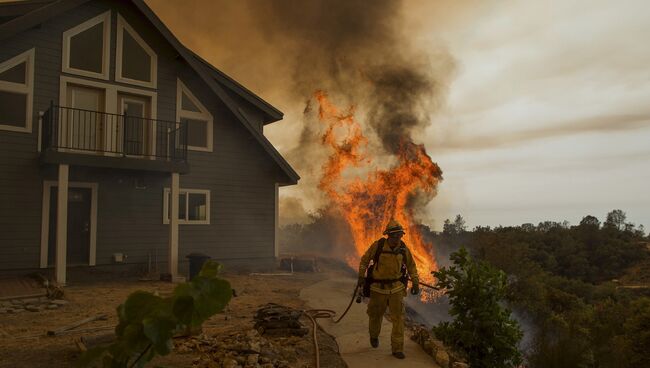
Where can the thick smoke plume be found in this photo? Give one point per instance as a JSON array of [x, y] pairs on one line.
[[355, 50]]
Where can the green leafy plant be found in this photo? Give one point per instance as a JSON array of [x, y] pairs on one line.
[[482, 328], [149, 322]]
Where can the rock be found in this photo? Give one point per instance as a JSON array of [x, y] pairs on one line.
[[59, 302], [32, 308], [229, 363], [17, 302], [460, 365], [52, 306], [252, 359], [442, 358], [438, 344], [255, 345], [429, 347], [30, 300]]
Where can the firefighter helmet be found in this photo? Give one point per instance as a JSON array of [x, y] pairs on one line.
[[393, 227]]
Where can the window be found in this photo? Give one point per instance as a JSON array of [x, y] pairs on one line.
[[86, 47], [190, 111], [193, 206], [110, 98], [135, 62], [16, 92]]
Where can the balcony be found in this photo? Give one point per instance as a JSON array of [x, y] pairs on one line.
[[94, 138]]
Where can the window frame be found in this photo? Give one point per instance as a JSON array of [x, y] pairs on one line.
[[27, 88], [203, 115], [122, 26], [186, 191], [106, 52]]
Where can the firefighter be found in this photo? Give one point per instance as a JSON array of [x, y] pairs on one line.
[[388, 288]]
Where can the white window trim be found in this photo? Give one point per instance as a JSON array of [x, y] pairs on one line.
[[110, 97], [186, 191], [122, 26], [106, 52], [203, 115], [27, 88], [45, 220]]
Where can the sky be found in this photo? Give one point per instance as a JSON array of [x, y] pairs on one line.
[[545, 114]]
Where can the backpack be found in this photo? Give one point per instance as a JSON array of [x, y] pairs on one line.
[[375, 264]]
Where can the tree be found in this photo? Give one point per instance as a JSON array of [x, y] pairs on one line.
[[590, 221], [615, 220], [482, 329], [454, 228], [459, 224]]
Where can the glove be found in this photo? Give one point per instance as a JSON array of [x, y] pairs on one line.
[[362, 280], [415, 288]]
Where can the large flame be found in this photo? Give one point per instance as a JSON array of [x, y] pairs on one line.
[[368, 204]]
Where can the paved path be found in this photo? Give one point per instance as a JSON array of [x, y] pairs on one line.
[[352, 332]]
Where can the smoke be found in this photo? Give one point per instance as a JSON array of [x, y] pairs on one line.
[[362, 53]]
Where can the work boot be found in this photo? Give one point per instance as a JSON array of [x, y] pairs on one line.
[[399, 355], [374, 342]]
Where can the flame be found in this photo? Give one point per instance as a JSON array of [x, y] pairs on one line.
[[368, 205]]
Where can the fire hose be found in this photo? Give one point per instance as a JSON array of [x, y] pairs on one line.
[[314, 314]]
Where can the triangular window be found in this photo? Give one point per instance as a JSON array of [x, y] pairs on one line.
[[187, 104], [136, 61], [86, 47], [16, 74], [16, 92], [197, 119]]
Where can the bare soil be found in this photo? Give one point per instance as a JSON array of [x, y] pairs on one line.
[[23, 340]]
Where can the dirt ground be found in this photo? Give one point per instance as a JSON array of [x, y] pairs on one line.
[[23, 340]]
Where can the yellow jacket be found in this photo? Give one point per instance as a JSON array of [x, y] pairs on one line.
[[389, 266]]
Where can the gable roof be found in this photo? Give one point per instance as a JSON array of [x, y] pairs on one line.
[[42, 10]]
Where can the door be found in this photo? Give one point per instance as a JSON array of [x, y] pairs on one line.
[[137, 126], [79, 206], [85, 120]]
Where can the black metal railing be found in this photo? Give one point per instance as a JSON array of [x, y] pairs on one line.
[[68, 129]]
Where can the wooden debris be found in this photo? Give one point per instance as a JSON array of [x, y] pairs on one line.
[[90, 342], [277, 320], [59, 331]]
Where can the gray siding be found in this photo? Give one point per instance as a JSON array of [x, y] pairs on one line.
[[239, 173]]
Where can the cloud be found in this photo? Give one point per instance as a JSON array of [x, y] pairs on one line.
[[596, 124]]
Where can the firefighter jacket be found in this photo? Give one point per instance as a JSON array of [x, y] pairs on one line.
[[388, 270]]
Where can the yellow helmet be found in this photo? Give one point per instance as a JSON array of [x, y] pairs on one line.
[[393, 227]]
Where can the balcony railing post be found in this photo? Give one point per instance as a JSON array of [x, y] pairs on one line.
[[50, 123], [124, 135], [185, 134]]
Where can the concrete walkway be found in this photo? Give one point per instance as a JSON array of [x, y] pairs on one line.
[[352, 332]]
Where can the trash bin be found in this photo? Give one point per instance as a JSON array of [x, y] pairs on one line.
[[196, 262]]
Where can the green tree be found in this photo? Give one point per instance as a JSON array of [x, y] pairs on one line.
[[482, 328], [459, 224], [590, 221], [616, 220]]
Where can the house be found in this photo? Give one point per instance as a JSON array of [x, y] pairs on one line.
[[118, 144]]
